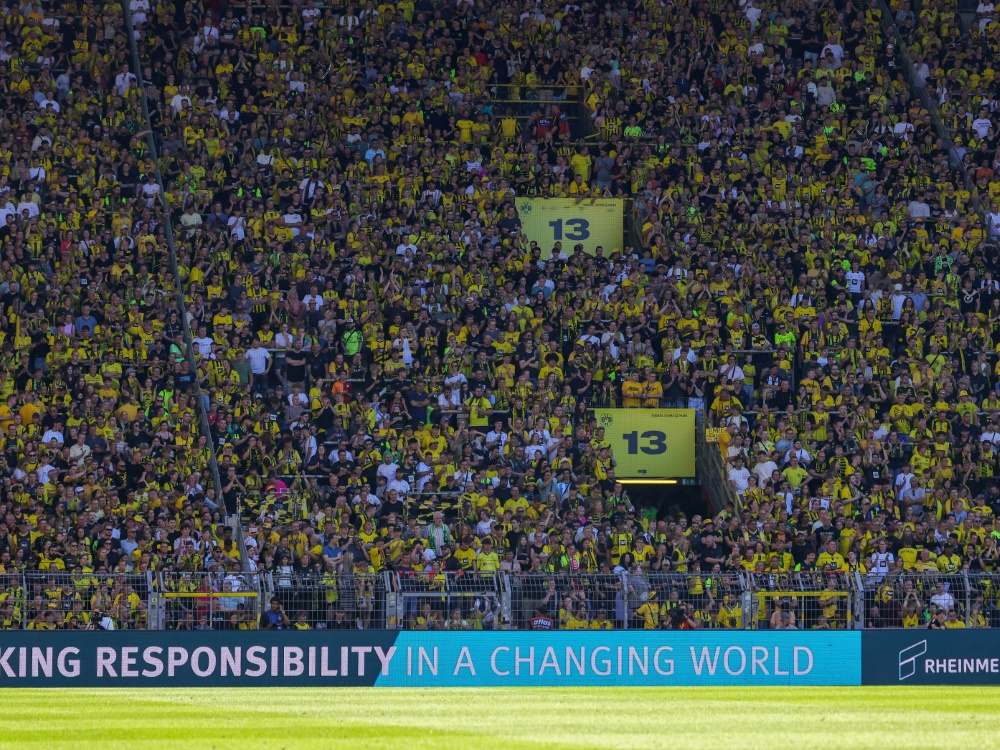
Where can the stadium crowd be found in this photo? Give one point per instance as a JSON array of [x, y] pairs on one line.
[[396, 378], [100, 449]]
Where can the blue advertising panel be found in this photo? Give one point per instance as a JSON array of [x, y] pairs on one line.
[[384, 658], [568, 658]]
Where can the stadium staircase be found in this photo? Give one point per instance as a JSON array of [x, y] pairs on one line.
[[891, 29], [232, 518]]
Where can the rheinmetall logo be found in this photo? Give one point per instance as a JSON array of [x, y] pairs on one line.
[[908, 659]]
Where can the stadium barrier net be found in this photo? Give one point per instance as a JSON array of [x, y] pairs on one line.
[[204, 601], [802, 600], [434, 599]]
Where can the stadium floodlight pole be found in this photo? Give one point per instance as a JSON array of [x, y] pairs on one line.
[[203, 423]]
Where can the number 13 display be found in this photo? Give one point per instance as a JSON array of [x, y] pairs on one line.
[[551, 220], [650, 443]]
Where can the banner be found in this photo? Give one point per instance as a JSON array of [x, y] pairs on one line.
[[650, 443], [458, 659], [331, 658], [193, 658], [625, 658], [931, 657], [551, 220]]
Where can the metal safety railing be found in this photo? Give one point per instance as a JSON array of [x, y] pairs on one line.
[[433, 599], [318, 599], [443, 600], [802, 600], [35, 600], [204, 601], [627, 600], [914, 598]]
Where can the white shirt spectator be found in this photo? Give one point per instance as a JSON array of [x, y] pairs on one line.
[[30, 206], [310, 14], [204, 346], [944, 600], [994, 217], [425, 472], [128, 546], [531, 452], [825, 94], [984, 11], [179, 101], [690, 356], [227, 114], [400, 485], [836, 50], [981, 125], [918, 209], [802, 454], [124, 81], [363, 498], [993, 436], [318, 299], [855, 281], [881, 562], [56, 434], [387, 470], [612, 340], [496, 439], [455, 383], [237, 227], [43, 472], [258, 358], [149, 191], [293, 220], [764, 471], [739, 477], [284, 340], [733, 372], [309, 445], [308, 187], [402, 247], [207, 38], [751, 12], [903, 130], [903, 482], [78, 453]]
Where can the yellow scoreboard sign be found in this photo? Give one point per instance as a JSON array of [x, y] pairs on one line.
[[551, 220], [650, 443]]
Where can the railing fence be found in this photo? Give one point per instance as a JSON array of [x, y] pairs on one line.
[[311, 599]]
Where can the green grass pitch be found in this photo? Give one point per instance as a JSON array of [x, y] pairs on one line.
[[501, 718]]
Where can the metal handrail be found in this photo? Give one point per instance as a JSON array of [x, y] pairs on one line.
[[891, 28], [204, 425]]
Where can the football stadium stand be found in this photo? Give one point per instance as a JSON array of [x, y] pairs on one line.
[[278, 349]]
